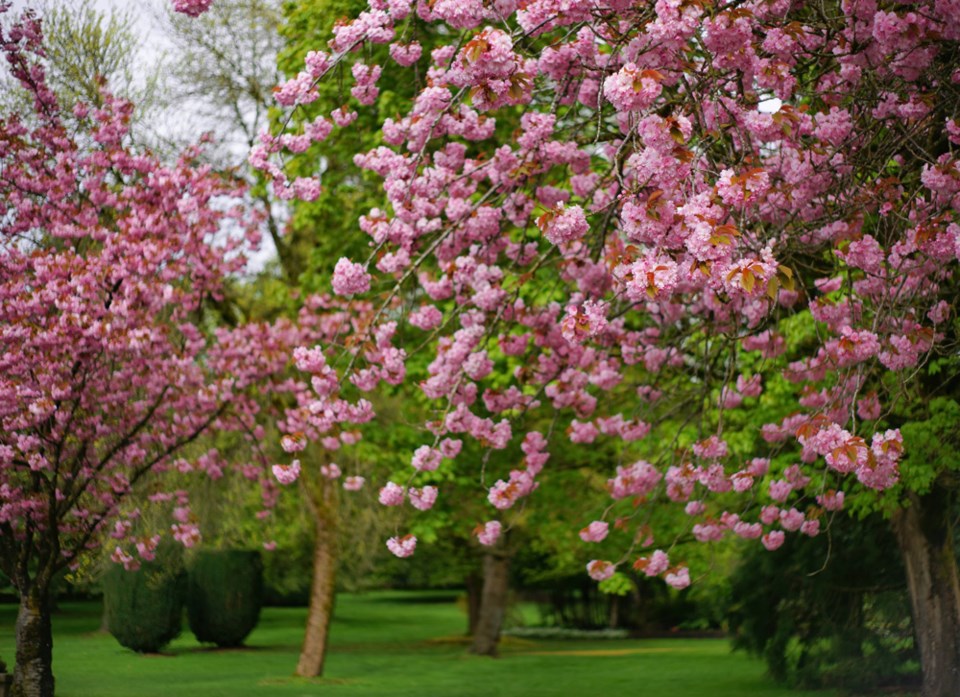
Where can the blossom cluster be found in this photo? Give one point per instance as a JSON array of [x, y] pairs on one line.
[[646, 245]]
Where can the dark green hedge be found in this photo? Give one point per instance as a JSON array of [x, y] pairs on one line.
[[225, 596], [144, 608]]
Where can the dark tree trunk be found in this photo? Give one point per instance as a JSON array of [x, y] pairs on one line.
[[925, 539], [493, 604], [33, 674], [314, 651], [474, 583], [614, 618]]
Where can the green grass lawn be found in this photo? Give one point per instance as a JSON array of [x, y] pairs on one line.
[[391, 644]]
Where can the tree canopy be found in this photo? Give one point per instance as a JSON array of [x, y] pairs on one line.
[[696, 209]]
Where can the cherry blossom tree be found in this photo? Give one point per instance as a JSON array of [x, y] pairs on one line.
[[110, 363], [691, 185]]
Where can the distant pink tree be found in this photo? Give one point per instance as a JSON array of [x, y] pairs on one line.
[[629, 221], [192, 8], [109, 364]]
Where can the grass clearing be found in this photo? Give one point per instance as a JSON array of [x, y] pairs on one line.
[[391, 644]]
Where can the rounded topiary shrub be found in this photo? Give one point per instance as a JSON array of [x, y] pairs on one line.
[[225, 595], [144, 608]]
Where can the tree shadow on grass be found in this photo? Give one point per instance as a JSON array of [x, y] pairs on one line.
[[232, 649]]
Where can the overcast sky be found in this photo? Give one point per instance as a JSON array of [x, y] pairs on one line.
[[143, 12]]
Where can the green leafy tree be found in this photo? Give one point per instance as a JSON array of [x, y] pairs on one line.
[[830, 611]]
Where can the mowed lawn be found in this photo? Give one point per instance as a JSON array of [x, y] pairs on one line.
[[390, 644]]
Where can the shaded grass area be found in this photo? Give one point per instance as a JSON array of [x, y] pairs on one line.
[[390, 644]]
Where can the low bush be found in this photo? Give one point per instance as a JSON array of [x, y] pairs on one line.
[[225, 595], [144, 608]]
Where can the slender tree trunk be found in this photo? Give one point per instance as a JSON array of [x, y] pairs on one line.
[[474, 583], [325, 509], [493, 604], [33, 674], [925, 539]]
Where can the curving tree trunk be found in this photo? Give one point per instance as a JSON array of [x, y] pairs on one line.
[[493, 604], [33, 674], [925, 538], [324, 505]]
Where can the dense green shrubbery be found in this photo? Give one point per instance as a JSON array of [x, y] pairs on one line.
[[287, 572], [644, 605], [225, 595], [144, 608], [831, 611]]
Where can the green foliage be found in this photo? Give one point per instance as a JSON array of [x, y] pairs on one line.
[[618, 584], [626, 600], [287, 574], [844, 624], [444, 563], [932, 445], [225, 595], [144, 608]]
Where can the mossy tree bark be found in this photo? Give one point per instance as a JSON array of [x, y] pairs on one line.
[[324, 505], [493, 603], [33, 674], [924, 535]]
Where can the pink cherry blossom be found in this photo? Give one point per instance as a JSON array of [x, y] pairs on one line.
[[331, 471], [600, 570], [595, 532], [392, 494], [427, 317], [632, 89], [426, 459], [192, 8], [488, 533], [773, 539], [831, 500], [567, 225], [423, 499], [655, 564], [791, 520], [350, 278], [354, 483], [679, 579], [450, 447], [402, 546], [636, 480], [293, 443], [406, 54], [287, 474]]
